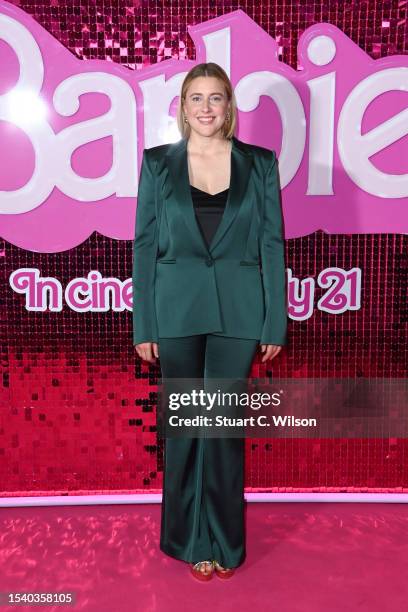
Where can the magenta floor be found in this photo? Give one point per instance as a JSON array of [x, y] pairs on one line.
[[300, 557]]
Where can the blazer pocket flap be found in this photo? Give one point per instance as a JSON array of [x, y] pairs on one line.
[[166, 261], [248, 263]]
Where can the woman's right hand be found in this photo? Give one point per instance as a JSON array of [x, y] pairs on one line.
[[149, 351]]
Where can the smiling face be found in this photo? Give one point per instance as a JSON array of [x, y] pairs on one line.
[[206, 105]]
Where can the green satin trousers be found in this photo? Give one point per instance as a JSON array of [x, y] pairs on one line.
[[203, 482]]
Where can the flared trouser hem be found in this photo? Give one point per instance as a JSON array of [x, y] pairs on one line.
[[176, 554]]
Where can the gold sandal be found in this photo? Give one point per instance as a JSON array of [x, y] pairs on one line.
[[223, 572], [197, 573]]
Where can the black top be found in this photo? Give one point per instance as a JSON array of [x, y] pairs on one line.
[[209, 210]]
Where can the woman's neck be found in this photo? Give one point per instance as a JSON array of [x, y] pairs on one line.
[[207, 145]]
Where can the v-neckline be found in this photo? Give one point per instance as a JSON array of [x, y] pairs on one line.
[[207, 193], [176, 161]]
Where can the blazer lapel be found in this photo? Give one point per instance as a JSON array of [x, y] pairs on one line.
[[241, 163]]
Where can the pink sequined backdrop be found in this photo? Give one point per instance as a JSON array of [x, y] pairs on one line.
[[77, 408]]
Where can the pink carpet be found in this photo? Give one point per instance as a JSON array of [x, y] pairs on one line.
[[300, 557]]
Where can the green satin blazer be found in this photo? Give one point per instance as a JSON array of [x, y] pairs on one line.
[[237, 286]]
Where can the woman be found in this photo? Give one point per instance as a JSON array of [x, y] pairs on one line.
[[208, 218]]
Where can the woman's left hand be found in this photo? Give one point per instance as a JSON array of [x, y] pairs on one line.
[[270, 350]]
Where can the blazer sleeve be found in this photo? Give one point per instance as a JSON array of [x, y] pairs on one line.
[[272, 246], [144, 257]]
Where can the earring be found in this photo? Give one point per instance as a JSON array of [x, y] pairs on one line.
[[185, 119]]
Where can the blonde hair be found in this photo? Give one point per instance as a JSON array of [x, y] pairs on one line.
[[212, 70]]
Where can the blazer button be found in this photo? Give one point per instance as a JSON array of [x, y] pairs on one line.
[[209, 262]]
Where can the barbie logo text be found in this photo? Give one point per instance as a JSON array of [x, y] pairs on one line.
[[73, 131]]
